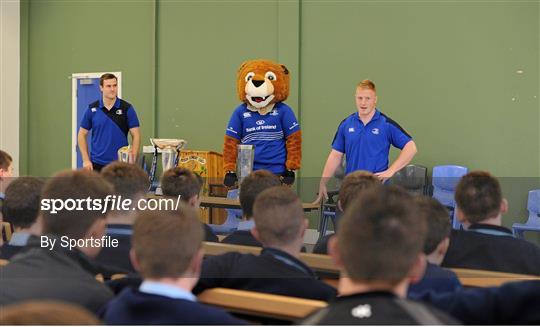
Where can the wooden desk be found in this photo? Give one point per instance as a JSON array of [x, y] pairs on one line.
[[218, 202], [484, 278], [260, 304]]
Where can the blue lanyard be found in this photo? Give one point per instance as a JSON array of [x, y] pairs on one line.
[[491, 232], [289, 262], [119, 231]]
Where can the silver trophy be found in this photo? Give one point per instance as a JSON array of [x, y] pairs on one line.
[[244, 161], [170, 154], [124, 154]]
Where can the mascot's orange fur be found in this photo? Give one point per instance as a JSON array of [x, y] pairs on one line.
[[264, 121]]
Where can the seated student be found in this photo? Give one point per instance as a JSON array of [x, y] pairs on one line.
[[21, 209], [129, 182], [6, 171], [167, 253], [53, 270], [181, 181], [379, 249], [280, 227], [251, 186], [514, 303], [485, 244], [46, 312], [435, 278], [353, 184]]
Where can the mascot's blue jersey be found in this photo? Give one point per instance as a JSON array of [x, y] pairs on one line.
[[267, 133]]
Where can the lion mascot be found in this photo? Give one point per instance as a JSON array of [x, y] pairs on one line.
[[263, 120]]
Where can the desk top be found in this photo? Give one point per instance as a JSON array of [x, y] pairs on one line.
[[218, 202]]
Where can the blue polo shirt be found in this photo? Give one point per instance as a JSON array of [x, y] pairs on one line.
[[266, 132], [109, 128], [367, 147]]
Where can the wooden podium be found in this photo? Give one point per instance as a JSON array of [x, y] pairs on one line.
[[209, 165]]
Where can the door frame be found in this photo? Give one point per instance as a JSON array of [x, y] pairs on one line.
[[74, 78]]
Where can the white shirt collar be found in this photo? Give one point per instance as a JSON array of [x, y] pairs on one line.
[[167, 290]]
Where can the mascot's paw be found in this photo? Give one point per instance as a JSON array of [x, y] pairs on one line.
[[230, 179], [287, 177]]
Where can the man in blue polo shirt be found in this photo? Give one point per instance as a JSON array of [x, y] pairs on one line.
[[365, 138], [110, 119]]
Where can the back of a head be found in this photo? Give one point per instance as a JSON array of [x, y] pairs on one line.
[[479, 196], [5, 160], [46, 313], [437, 219], [181, 181], [254, 184], [69, 187], [380, 236], [129, 180], [166, 241], [22, 202], [354, 184], [278, 216]]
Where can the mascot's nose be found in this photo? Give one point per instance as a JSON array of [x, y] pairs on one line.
[[257, 83]]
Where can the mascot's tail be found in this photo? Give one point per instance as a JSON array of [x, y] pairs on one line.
[[229, 153]]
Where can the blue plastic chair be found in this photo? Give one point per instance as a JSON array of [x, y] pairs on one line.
[[533, 222], [445, 179], [234, 216]]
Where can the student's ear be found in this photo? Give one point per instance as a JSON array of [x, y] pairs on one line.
[[196, 263], [442, 248], [255, 233], [304, 228], [96, 231], [460, 215], [194, 201], [333, 251], [134, 261], [504, 206], [416, 273], [339, 205]]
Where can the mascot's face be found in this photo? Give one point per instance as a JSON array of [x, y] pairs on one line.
[[262, 82]]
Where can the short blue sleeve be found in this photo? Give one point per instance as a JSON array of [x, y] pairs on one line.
[[234, 128], [132, 119], [86, 121], [398, 137], [289, 121], [338, 143]]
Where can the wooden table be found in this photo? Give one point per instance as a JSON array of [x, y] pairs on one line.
[[218, 202]]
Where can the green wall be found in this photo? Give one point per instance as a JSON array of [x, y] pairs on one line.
[[448, 71]]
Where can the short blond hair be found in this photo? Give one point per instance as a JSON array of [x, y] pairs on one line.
[[366, 85]]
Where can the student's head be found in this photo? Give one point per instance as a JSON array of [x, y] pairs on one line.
[[279, 218], [479, 197], [22, 202], [129, 180], [380, 238], [108, 84], [438, 228], [46, 312], [6, 164], [254, 184], [167, 243], [366, 97], [354, 184], [71, 188], [181, 181]]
